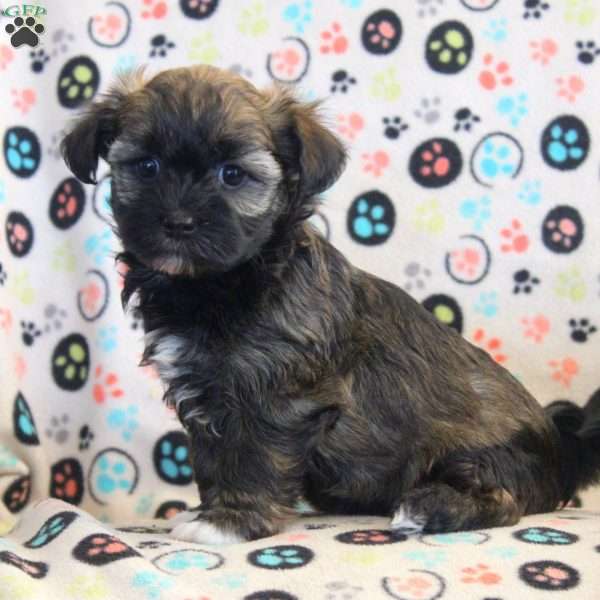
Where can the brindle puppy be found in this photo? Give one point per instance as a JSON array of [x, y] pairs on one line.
[[295, 373]]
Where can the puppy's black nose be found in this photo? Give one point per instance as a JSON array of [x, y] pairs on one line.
[[178, 225]]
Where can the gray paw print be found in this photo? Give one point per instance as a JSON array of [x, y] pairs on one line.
[[341, 590], [428, 8], [429, 110], [58, 428], [416, 276], [54, 317]]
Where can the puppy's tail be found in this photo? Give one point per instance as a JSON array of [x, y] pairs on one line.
[[579, 430]]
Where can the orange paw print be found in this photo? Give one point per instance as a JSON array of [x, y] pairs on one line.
[[564, 370], [480, 574], [516, 240], [6, 320], [496, 74], [375, 163], [6, 56], [434, 161], [286, 61], [570, 87], [109, 26], [492, 345], [351, 125], [154, 10], [536, 328], [544, 50], [333, 40], [106, 386], [413, 586], [24, 99]]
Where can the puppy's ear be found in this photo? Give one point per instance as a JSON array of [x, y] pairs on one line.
[[95, 130], [305, 144]]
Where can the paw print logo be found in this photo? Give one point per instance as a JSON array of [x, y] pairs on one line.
[[51, 529], [169, 509], [66, 481], [21, 151], [24, 31], [546, 536], [449, 47], [371, 537], [171, 458], [100, 549], [78, 82], [376, 162], [435, 163], [67, 203], [480, 573], [564, 370], [92, 297], [393, 127], [289, 63], [581, 329], [371, 218], [446, 310], [497, 157], [281, 557], [587, 51], [494, 73], [570, 87], [562, 229], [549, 575], [544, 50], [565, 143], [350, 125], [333, 40], [381, 32], [492, 345], [17, 494], [535, 328], [465, 119], [524, 282], [515, 239], [341, 81], [581, 12], [112, 473]]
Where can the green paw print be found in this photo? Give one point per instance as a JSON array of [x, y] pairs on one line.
[[78, 81], [71, 362], [253, 21], [385, 85], [203, 49], [19, 287], [429, 218], [63, 258], [571, 285], [581, 12]]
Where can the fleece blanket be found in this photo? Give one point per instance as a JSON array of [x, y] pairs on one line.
[[473, 134]]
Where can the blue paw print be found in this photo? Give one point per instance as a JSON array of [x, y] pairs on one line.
[[99, 246], [546, 536], [232, 581], [460, 537], [125, 420], [430, 559], [21, 151], [497, 30], [152, 584], [530, 192], [107, 338], [24, 425], [189, 559], [2, 193], [497, 160], [171, 458], [513, 107], [478, 211], [281, 557], [126, 62], [299, 13], [112, 476], [51, 529], [505, 552], [487, 304], [352, 3], [371, 218], [564, 145]]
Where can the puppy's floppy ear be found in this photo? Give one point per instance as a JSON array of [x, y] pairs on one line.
[[95, 130], [303, 142]]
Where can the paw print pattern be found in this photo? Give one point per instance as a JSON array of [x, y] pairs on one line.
[[71, 362], [416, 276], [469, 259], [514, 238], [160, 46], [29, 332], [429, 8], [487, 304], [514, 108], [350, 125], [66, 481], [19, 234], [86, 437], [530, 192], [534, 9], [478, 211], [180, 561], [449, 47], [492, 345], [564, 370], [113, 474], [587, 51], [23, 424], [24, 31], [101, 549], [497, 30], [435, 163], [496, 158], [124, 420], [429, 110], [333, 40], [544, 50], [341, 81], [446, 310], [546, 536], [480, 573], [581, 329], [549, 575], [281, 557], [78, 82], [54, 316], [524, 282], [371, 218], [415, 585], [465, 119], [494, 73], [38, 58], [300, 14], [21, 151], [58, 428], [67, 203], [17, 494], [289, 63], [565, 143], [154, 9], [563, 230], [570, 87], [375, 162], [171, 458], [36, 570], [198, 9], [535, 328], [169, 509], [51, 529], [393, 127], [371, 537], [381, 32], [106, 385]]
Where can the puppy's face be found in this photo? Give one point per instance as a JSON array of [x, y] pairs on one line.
[[204, 166]]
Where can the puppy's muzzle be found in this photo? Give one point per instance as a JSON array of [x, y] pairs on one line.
[[178, 225]]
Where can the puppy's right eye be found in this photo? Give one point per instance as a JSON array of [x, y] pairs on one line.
[[147, 168]]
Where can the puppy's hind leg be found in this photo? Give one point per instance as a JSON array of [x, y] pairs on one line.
[[439, 508]]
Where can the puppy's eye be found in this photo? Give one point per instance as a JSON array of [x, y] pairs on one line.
[[147, 168], [231, 176]]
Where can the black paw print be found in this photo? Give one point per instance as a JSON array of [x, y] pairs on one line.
[[151, 544], [24, 31], [3, 275], [29, 332], [581, 329], [341, 80], [393, 127], [587, 52], [534, 8], [86, 436], [465, 119], [39, 58], [524, 281], [160, 45]]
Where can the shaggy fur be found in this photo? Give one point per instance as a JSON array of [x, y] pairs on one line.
[[295, 373]]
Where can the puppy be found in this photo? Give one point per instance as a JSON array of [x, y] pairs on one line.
[[295, 374]]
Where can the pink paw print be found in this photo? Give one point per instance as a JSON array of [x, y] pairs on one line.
[[106, 385], [350, 125], [154, 9], [6, 320], [20, 366], [543, 50], [333, 40], [24, 99], [570, 87], [564, 370], [536, 328], [109, 26], [494, 74], [375, 163], [480, 574], [6, 56], [69, 203], [286, 61], [466, 261], [491, 345], [434, 161], [516, 240]]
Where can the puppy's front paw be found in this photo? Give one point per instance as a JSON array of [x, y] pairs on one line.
[[407, 522], [200, 531], [185, 516]]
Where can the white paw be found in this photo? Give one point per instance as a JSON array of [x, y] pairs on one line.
[[203, 532], [185, 516], [407, 523]]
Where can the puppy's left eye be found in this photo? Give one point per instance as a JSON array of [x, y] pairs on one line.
[[147, 168], [232, 176]]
